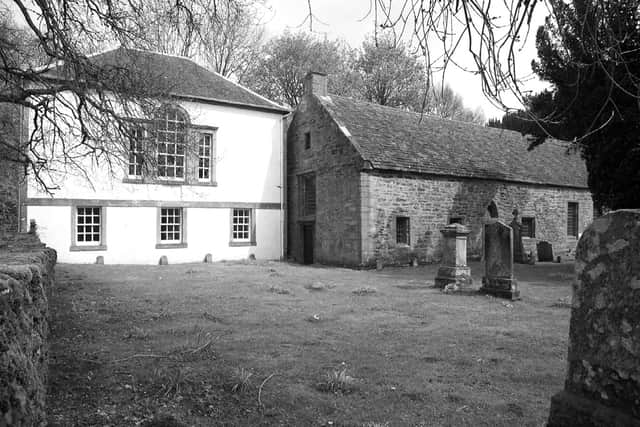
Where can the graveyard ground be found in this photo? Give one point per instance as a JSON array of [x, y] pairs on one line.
[[277, 344]]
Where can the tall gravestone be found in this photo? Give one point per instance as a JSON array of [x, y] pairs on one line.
[[602, 387], [498, 280], [518, 247], [454, 274]]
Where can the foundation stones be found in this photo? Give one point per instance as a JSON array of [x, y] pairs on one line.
[[602, 386]]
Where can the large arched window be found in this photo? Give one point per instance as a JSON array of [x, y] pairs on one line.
[[171, 136]]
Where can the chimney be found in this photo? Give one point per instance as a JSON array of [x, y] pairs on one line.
[[315, 83]]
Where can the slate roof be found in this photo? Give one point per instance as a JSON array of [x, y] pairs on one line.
[[397, 140], [185, 78]]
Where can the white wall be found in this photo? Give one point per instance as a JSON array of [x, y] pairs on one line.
[[249, 149], [131, 235]]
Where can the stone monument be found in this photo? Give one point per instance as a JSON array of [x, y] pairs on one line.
[[518, 247], [497, 246], [602, 387], [545, 251], [454, 274]]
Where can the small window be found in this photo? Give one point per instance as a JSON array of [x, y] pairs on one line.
[[572, 219], [307, 194], [171, 225], [307, 140], [402, 230], [171, 131], [205, 149], [88, 226], [136, 152], [242, 227], [528, 227], [455, 220]]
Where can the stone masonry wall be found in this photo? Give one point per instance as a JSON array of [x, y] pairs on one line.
[[26, 277], [602, 386], [336, 166], [12, 177], [430, 202]]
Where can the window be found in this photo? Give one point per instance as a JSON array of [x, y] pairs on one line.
[[402, 230], [171, 140], [205, 150], [455, 220], [242, 227], [136, 152], [307, 140], [88, 228], [171, 228], [528, 227], [572, 219], [307, 194]]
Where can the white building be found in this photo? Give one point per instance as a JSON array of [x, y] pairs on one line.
[[223, 199]]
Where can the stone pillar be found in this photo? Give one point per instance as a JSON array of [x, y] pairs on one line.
[[497, 247], [602, 387], [454, 274]]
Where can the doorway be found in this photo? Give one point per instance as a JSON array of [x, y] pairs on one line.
[[307, 243]]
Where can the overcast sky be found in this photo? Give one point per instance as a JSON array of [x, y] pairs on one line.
[[343, 19]]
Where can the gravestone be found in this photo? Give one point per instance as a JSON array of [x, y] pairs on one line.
[[518, 247], [497, 245], [208, 259], [163, 260], [545, 251], [602, 387], [454, 274], [100, 259]]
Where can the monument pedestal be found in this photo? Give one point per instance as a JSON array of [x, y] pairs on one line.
[[503, 287], [454, 274]]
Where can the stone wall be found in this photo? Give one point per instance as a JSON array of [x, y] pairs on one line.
[[26, 277], [12, 177], [430, 202], [336, 166], [602, 386]]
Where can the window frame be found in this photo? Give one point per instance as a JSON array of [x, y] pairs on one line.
[[251, 241], [452, 220], [531, 227], [77, 246], [138, 151], [577, 219], [171, 244], [408, 230], [202, 135], [306, 210], [307, 140], [163, 117]]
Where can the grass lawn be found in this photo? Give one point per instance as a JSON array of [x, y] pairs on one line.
[[279, 344]]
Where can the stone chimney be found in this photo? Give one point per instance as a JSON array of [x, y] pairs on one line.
[[315, 83]]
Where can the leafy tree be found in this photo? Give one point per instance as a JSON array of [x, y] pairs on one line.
[[279, 73], [591, 55], [390, 74]]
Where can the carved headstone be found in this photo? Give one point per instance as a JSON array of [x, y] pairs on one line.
[[497, 245], [518, 247], [602, 387], [208, 259], [163, 260], [545, 251], [454, 274]]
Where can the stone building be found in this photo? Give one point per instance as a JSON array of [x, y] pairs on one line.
[[370, 183]]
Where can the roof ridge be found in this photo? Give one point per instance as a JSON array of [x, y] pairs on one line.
[[248, 90]]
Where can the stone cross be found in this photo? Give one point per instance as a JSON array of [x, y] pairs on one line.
[[602, 387], [497, 246], [454, 274]]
